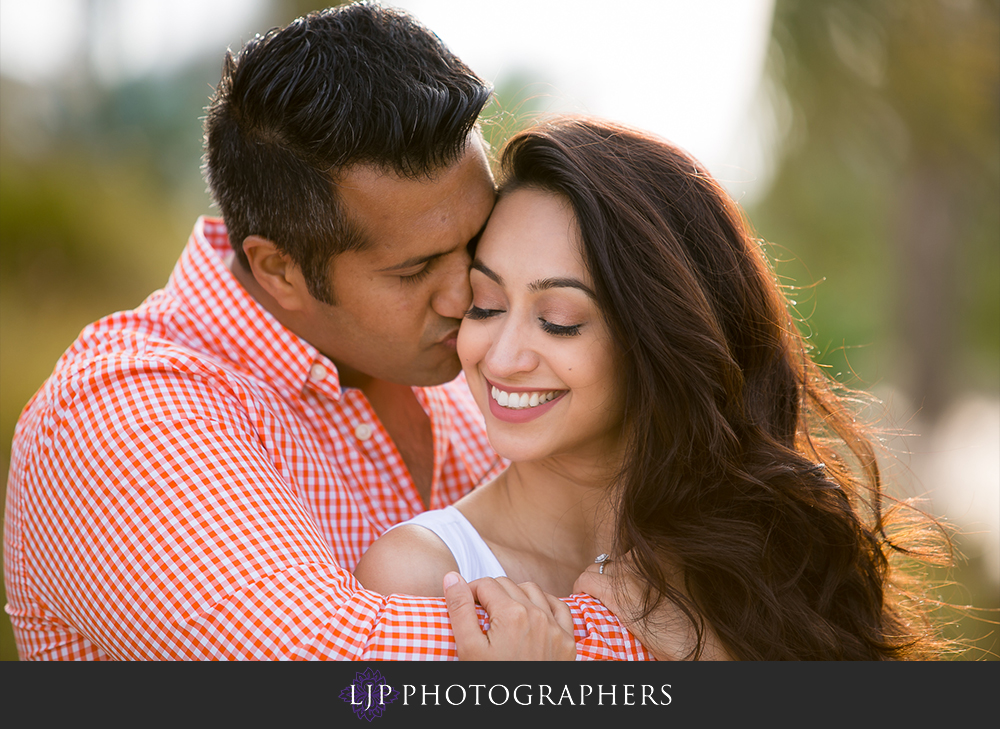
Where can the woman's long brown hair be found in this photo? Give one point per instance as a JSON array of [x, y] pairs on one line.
[[745, 464]]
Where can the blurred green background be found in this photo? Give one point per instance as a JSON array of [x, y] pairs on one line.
[[881, 119]]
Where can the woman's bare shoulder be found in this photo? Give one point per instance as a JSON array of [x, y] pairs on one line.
[[408, 560]]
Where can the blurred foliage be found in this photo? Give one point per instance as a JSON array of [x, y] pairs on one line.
[[887, 130], [970, 608], [518, 98]]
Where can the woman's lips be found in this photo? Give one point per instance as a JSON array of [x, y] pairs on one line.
[[519, 415]]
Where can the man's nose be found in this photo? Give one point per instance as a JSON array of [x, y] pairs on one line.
[[454, 296]]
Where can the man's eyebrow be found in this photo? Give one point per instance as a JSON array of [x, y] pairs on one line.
[[536, 286], [417, 260]]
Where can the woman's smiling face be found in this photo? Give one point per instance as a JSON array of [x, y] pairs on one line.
[[534, 346]]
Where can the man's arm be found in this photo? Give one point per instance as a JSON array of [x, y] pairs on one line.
[[163, 529]]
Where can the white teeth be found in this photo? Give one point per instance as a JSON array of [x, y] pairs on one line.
[[519, 401]]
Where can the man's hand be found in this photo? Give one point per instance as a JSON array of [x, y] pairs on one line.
[[667, 633], [526, 624]]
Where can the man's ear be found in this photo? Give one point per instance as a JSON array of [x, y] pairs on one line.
[[276, 273]]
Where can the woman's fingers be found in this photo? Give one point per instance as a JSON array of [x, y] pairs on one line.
[[550, 604], [528, 590], [469, 636], [667, 633], [562, 614], [600, 584], [525, 625]]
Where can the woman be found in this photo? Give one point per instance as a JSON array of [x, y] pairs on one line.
[[636, 362]]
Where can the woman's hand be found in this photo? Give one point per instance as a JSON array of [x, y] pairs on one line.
[[526, 624], [668, 633]]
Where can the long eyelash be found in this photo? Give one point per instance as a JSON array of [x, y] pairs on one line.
[[559, 330], [476, 313], [416, 277]]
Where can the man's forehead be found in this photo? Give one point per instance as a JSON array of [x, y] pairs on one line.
[[368, 194], [361, 176], [367, 178]]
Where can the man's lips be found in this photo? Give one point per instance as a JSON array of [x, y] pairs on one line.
[[450, 339]]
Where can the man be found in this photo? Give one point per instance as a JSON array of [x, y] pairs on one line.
[[199, 475]]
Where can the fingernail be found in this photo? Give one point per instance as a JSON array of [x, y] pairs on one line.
[[450, 579]]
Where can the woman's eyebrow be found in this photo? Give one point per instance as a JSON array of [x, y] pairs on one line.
[[478, 265], [566, 283], [536, 286]]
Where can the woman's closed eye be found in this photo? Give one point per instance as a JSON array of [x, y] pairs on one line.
[[560, 330], [478, 313]]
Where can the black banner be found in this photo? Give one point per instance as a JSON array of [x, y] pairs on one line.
[[396, 694]]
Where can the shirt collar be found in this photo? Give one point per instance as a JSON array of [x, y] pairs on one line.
[[234, 326]]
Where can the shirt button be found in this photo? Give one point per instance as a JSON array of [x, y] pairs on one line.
[[317, 373], [363, 431]]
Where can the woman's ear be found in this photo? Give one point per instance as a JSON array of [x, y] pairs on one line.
[[276, 273]]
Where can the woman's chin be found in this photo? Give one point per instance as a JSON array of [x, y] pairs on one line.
[[516, 450]]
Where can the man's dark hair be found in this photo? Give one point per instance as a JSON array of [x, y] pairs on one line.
[[358, 84]]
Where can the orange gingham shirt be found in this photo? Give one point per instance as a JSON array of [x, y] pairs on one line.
[[193, 483]]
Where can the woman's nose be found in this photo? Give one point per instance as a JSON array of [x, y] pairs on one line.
[[511, 351]]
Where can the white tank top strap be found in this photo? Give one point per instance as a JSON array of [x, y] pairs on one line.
[[474, 557]]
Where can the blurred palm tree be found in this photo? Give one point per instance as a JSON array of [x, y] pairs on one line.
[[889, 164]]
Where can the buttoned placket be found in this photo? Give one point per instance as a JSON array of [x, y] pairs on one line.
[[365, 433]]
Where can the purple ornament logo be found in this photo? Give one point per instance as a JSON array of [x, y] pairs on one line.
[[369, 694]]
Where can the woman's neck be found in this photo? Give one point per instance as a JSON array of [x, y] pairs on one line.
[[545, 520]]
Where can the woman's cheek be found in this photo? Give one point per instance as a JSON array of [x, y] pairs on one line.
[[467, 346]]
